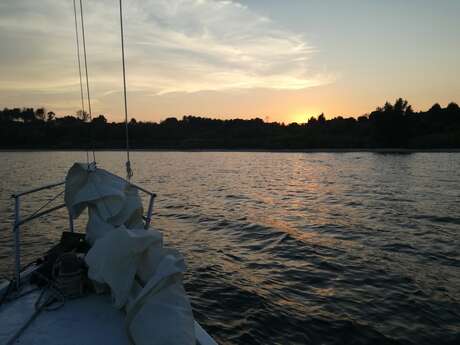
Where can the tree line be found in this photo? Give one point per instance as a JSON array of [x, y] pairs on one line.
[[394, 125]]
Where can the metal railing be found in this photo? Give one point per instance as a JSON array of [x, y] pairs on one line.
[[18, 221]]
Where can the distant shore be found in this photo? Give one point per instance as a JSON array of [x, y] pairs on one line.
[[382, 150], [393, 128]]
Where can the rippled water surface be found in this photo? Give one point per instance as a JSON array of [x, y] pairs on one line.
[[290, 248]]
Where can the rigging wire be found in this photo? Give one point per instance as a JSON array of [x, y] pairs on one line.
[[129, 172], [87, 80], [47, 203], [79, 67]]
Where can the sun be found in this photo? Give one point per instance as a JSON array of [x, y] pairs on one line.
[[302, 116]]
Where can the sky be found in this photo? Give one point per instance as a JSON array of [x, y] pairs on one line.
[[280, 60]]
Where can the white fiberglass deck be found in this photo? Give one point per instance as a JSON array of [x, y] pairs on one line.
[[91, 320]]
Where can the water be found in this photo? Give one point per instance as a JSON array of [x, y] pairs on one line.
[[291, 248]]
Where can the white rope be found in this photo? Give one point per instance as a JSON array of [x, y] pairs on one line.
[[129, 172]]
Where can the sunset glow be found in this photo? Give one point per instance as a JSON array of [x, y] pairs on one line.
[[231, 58], [303, 116]]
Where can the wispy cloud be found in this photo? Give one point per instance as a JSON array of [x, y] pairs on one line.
[[172, 46]]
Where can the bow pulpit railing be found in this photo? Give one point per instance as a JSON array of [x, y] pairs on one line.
[[43, 210]]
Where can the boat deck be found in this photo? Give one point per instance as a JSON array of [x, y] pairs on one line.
[[88, 320]]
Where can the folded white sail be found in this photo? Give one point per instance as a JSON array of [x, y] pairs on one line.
[[145, 278]]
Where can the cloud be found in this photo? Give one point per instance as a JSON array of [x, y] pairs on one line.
[[200, 45], [171, 45]]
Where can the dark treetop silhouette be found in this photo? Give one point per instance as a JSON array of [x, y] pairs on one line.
[[392, 126]]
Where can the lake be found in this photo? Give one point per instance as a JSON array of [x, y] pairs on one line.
[[288, 248]]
